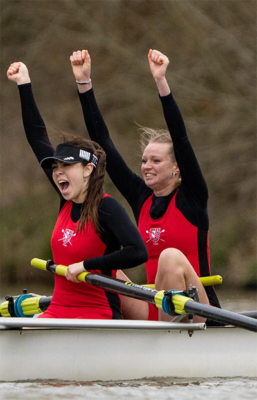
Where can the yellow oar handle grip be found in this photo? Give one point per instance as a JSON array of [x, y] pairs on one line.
[[211, 280], [37, 263], [206, 281], [59, 269]]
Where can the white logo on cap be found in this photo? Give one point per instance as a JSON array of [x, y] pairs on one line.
[[84, 154], [68, 158]]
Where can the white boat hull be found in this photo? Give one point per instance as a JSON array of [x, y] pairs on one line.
[[92, 350]]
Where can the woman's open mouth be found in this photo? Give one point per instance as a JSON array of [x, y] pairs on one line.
[[63, 186]]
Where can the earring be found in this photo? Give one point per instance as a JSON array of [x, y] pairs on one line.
[[174, 174]]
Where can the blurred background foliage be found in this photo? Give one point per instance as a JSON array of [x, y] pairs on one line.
[[211, 45]]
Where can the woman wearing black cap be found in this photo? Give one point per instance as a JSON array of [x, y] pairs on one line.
[[91, 227]]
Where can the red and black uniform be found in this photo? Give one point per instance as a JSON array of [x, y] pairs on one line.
[[119, 246], [179, 220]]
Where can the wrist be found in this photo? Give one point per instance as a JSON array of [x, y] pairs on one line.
[[160, 79], [82, 82], [23, 81], [84, 87]]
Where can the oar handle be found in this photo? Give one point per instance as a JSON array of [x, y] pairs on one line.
[[211, 280], [40, 264], [61, 270], [58, 269], [206, 281]]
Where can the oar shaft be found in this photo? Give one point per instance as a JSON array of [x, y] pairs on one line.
[[220, 315], [126, 288]]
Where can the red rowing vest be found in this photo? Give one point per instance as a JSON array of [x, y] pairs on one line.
[[68, 247], [172, 230]]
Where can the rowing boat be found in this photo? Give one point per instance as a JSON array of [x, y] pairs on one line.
[[93, 350]]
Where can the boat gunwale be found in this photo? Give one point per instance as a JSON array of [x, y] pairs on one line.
[[57, 324]]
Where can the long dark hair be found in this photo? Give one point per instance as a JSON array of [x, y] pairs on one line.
[[95, 189]]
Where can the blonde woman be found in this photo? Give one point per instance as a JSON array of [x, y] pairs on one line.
[[170, 201]]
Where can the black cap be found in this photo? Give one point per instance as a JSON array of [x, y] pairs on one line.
[[70, 155]]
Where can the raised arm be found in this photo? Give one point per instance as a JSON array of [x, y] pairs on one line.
[[33, 123], [158, 63], [193, 181], [81, 67], [131, 186]]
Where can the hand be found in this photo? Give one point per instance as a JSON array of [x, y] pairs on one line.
[[18, 72], [73, 271], [81, 65], [158, 63]]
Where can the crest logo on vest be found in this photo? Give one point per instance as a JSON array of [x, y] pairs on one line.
[[67, 236], [155, 235]]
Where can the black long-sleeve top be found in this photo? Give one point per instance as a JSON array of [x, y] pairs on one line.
[[192, 194], [124, 245]]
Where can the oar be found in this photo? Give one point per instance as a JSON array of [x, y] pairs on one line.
[[27, 305], [172, 302]]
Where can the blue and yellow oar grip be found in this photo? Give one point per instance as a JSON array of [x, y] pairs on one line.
[[179, 302], [27, 307], [31, 306], [158, 298]]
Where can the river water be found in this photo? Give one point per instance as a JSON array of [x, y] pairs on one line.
[[161, 388], [168, 389]]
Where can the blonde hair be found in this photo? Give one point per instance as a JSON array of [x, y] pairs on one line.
[[150, 135], [95, 189]]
